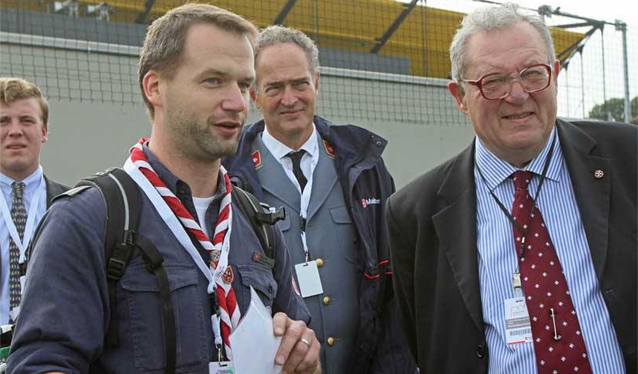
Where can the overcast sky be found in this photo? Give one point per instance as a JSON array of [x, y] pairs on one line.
[[606, 10]]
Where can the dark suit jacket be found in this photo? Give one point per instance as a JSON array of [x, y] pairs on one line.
[[54, 189], [432, 223]]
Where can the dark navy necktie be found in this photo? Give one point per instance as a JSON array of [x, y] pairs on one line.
[[296, 167]]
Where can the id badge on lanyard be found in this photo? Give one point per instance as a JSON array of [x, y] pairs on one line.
[[309, 279], [307, 272], [225, 367], [518, 328]]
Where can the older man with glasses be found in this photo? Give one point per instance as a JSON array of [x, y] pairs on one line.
[[519, 254]]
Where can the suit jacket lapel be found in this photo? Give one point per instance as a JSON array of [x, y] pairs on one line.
[[49, 191], [53, 190], [324, 178], [274, 179], [456, 226], [592, 195]]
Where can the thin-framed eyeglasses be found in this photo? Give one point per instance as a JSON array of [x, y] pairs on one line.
[[496, 86]]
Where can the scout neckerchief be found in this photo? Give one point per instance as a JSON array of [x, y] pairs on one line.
[[177, 218]]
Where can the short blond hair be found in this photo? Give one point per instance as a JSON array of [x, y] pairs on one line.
[[166, 38], [14, 89]]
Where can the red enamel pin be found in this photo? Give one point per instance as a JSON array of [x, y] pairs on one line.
[[329, 150], [256, 156]]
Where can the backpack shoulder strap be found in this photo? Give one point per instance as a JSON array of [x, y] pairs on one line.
[[123, 206], [261, 218]]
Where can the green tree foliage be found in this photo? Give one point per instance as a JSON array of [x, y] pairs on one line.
[[614, 109]]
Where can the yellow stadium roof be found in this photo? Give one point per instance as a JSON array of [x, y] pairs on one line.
[[423, 38]]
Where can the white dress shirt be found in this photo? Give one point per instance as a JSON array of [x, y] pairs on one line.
[[32, 183], [279, 150]]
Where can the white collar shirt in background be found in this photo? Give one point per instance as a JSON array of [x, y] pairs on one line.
[[32, 183], [279, 151]]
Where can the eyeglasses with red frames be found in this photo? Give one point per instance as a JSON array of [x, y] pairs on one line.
[[497, 86]]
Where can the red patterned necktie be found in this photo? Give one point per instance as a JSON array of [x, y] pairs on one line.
[[558, 339], [229, 310]]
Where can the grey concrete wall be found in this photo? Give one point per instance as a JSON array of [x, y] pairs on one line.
[[97, 114]]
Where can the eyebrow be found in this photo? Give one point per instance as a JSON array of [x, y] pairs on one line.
[[21, 116], [528, 63], [285, 81], [223, 74], [211, 72]]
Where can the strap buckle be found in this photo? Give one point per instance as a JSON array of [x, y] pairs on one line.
[[115, 269], [120, 256], [272, 217]]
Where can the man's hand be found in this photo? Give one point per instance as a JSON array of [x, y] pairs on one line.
[[299, 348]]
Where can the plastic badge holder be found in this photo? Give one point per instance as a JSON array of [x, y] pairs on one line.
[[4, 354]]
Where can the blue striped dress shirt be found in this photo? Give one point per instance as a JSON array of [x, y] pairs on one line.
[[497, 261]]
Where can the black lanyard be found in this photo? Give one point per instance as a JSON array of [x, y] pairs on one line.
[[538, 191]]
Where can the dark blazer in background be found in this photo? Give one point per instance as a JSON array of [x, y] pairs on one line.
[[433, 236], [54, 189]]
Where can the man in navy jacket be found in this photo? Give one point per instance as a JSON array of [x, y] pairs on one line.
[[333, 184]]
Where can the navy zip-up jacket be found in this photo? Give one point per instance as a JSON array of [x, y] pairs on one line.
[[381, 347]]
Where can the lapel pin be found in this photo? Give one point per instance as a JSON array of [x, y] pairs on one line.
[[598, 174], [329, 150], [256, 157]]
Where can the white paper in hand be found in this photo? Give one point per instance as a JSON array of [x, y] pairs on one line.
[[253, 342]]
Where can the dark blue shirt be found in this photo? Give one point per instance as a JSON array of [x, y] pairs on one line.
[[65, 311]]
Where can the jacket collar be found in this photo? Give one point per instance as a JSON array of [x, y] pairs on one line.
[[351, 145], [350, 141]]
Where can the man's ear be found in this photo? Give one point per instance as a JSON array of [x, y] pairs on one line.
[[317, 79], [458, 92], [253, 96], [45, 133], [151, 85], [556, 69]]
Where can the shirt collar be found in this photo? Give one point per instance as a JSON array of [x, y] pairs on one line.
[[177, 186], [279, 150], [496, 170], [30, 182]]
